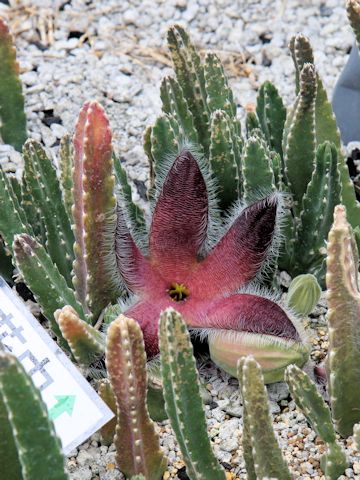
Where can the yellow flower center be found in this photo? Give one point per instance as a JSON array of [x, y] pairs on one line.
[[178, 292]]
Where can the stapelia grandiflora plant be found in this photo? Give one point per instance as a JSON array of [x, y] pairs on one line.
[[189, 260], [185, 267]]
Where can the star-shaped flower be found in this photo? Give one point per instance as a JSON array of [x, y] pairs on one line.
[[203, 283]]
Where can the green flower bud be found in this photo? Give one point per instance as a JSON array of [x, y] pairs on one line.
[[304, 293], [273, 354]]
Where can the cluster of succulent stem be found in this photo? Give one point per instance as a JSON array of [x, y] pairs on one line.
[[296, 151]]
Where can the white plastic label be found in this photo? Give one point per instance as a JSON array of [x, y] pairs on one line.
[[75, 408]]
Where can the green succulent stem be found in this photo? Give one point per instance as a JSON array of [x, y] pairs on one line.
[[41, 180], [261, 450], [107, 395], [311, 403], [343, 316], [12, 218], [257, 172], [323, 193], [26, 431], [12, 114], [175, 105], [182, 398], [225, 158], [86, 343], [134, 213], [272, 115], [299, 139], [66, 166], [43, 278], [191, 77]]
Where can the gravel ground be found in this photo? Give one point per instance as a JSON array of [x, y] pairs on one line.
[[115, 52], [72, 51]]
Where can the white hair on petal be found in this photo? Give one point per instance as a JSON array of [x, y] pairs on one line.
[[124, 251], [256, 339], [128, 302], [108, 251], [153, 368], [268, 264], [254, 288], [139, 236]]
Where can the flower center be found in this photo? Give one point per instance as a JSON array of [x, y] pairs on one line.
[[178, 292]]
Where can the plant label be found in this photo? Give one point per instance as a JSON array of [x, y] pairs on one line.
[[75, 408]]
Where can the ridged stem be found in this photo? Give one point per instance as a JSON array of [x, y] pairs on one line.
[[25, 420], [136, 441], [12, 114], [311, 403], [343, 316], [263, 455], [182, 399], [96, 280]]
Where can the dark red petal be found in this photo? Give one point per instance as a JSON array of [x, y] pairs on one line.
[[136, 271], [240, 254], [147, 314], [180, 219], [249, 313]]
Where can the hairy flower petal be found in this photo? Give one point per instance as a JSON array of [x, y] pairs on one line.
[[240, 254], [240, 313], [246, 324], [135, 269], [248, 313], [180, 219]]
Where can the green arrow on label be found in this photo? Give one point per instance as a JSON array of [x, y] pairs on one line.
[[64, 404]]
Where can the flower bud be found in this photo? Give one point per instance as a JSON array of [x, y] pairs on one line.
[[304, 293], [273, 354]]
